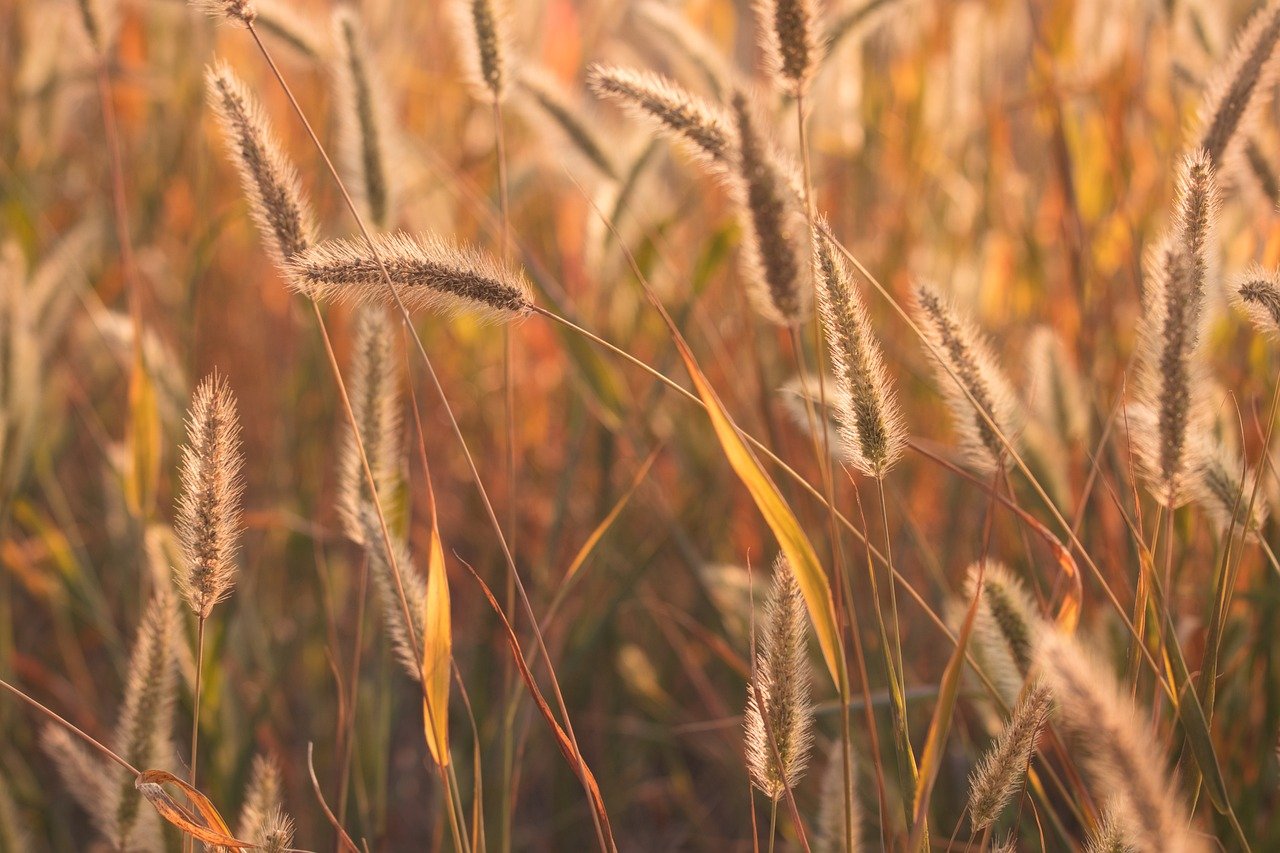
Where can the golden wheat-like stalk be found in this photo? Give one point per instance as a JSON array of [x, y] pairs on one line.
[[364, 121], [782, 679], [790, 34], [974, 372], [431, 274], [481, 28], [1116, 748], [374, 385], [208, 519], [1234, 92], [1170, 378], [703, 130], [1000, 773], [872, 428], [269, 180], [775, 232], [1257, 292]]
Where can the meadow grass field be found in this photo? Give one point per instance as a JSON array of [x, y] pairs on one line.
[[635, 425]]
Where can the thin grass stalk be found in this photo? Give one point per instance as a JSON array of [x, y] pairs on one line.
[[605, 843]]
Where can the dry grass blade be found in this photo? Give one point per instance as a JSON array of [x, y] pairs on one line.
[[205, 823]]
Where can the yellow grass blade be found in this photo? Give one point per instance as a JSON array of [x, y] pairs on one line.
[[437, 652], [791, 537]]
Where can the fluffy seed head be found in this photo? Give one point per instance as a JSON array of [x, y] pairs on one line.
[[1002, 769], [1234, 91], [775, 233], [481, 29], [208, 519], [374, 385], [1056, 393], [791, 38], [1007, 628], [1224, 488], [268, 178], [871, 424], [406, 637], [830, 835], [1109, 835], [429, 273], [1115, 747], [1169, 339], [702, 129], [261, 819], [237, 11], [545, 100], [782, 679], [967, 369], [1257, 292], [364, 120]]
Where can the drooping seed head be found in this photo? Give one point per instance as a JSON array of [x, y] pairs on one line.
[[1235, 91], [481, 29], [973, 383], [1113, 743], [775, 251], [703, 129], [782, 678], [429, 274], [1258, 293], [1225, 487], [267, 176], [406, 637], [236, 11], [1007, 627], [871, 424], [364, 121], [1003, 768], [791, 38], [208, 520]]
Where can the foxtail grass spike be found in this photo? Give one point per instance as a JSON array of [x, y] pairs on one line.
[[237, 11], [791, 38], [430, 274], [703, 129], [1007, 628], [1236, 89], [1224, 489], [268, 178], [1108, 836], [406, 638], [1170, 379], [481, 29], [261, 818], [973, 373], [1113, 743], [782, 679], [1257, 292], [829, 836], [374, 385], [775, 233], [545, 99], [1003, 769], [364, 121], [871, 425], [208, 519]]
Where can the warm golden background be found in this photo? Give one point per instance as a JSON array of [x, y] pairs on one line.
[[1021, 153]]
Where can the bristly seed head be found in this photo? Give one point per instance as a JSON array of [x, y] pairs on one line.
[[966, 368], [238, 11], [871, 424], [429, 274], [791, 37], [785, 720], [775, 233], [1258, 293], [1002, 769], [702, 128], [267, 176], [364, 120], [481, 30], [1234, 92], [208, 519]]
